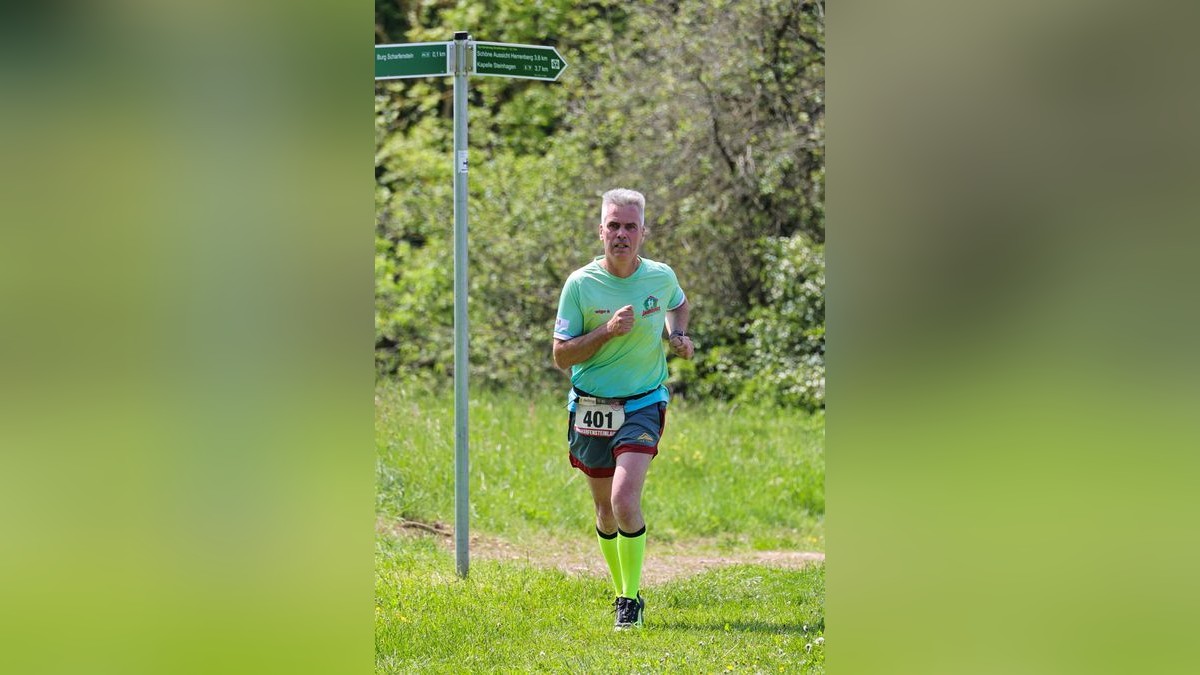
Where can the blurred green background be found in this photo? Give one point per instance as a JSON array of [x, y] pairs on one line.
[[188, 358], [1012, 332], [186, 452]]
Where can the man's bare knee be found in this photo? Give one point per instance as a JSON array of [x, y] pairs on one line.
[[605, 519], [628, 511]]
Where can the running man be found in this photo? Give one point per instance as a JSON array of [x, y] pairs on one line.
[[611, 319]]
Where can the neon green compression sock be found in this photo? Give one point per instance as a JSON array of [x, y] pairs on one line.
[[632, 549], [608, 546]]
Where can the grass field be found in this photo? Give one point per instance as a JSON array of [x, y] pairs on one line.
[[727, 481]]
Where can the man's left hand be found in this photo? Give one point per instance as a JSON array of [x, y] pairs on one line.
[[681, 346]]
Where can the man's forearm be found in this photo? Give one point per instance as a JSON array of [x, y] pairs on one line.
[[677, 319], [579, 349]]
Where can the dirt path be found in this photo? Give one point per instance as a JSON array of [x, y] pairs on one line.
[[664, 562]]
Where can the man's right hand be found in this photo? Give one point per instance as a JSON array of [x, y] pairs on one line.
[[621, 322]]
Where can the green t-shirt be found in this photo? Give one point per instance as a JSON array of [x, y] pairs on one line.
[[628, 364]]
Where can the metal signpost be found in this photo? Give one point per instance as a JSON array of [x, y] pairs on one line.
[[461, 58]]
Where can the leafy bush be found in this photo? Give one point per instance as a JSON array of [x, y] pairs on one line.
[[787, 330], [777, 353]]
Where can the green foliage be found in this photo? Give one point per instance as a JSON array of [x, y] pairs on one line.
[[414, 294], [714, 109], [778, 353], [787, 329], [781, 354]]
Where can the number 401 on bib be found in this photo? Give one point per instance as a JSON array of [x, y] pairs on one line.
[[595, 418]]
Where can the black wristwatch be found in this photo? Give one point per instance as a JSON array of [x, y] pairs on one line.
[[675, 333]]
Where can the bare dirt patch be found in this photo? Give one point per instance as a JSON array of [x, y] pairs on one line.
[[664, 561]]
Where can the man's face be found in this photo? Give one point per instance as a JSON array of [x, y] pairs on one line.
[[621, 231]]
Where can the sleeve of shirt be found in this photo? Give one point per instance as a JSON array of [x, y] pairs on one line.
[[569, 322], [677, 296]]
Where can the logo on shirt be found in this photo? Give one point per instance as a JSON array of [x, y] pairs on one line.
[[650, 306], [646, 437], [603, 311], [561, 325]]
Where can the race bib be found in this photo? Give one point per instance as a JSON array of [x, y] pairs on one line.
[[598, 417]]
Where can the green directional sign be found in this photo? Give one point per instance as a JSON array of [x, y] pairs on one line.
[[530, 62], [415, 59]]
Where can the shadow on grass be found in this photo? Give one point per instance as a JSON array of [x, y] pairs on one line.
[[778, 628]]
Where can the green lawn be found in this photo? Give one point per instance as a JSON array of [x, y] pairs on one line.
[[515, 617], [727, 478]]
